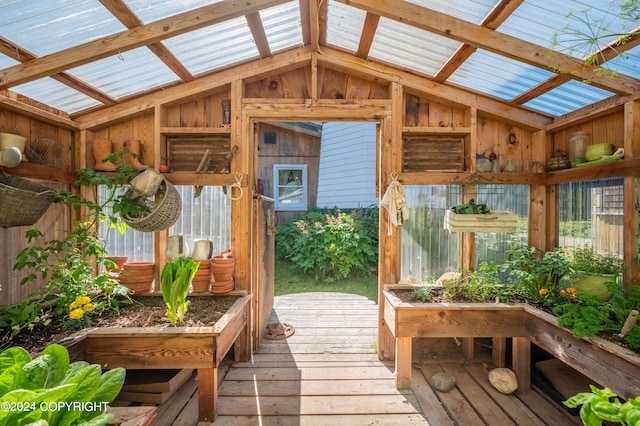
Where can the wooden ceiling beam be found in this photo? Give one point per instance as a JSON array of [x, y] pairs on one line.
[[376, 71], [280, 62], [368, 32], [130, 39], [259, 36], [490, 40], [124, 14], [305, 21], [22, 55], [540, 89], [493, 20]]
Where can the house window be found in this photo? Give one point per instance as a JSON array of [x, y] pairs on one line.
[[290, 189]]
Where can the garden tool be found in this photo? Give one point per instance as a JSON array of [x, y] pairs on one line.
[[395, 202], [102, 148], [134, 147], [628, 325]]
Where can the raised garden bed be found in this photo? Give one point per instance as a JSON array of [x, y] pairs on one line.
[[601, 360], [201, 348]]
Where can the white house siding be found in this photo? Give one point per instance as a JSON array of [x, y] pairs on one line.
[[347, 176]]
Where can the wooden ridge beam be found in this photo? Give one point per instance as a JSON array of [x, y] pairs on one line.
[[492, 41], [130, 39]]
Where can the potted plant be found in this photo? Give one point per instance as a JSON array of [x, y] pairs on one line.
[[68, 265], [590, 271]]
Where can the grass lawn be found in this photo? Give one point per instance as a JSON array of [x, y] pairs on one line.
[[291, 279]]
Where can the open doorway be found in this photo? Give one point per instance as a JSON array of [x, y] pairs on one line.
[[325, 169]]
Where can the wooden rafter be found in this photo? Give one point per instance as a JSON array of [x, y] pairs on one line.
[[305, 21], [540, 89], [493, 20], [23, 55], [259, 36], [368, 31], [130, 39], [130, 20], [490, 40]]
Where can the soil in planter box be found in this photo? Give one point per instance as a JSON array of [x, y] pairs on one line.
[[146, 311]]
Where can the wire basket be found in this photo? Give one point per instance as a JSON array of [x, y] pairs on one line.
[[164, 210], [22, 202], [46, 152]]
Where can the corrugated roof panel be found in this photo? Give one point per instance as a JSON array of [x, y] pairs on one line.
[[470, 10], [129, 72], [282, 26], [497, 75], [55, 94], [538, 21], [214, 46], [45, 26], [411, 47], [151, 11], [344, 25], [568, 97]]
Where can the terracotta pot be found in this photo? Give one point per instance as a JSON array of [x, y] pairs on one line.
[[139, 287], [119, 261], [137, 272], [200, 286], [130, 266], [222, 287], [127, 278], [223, 266]]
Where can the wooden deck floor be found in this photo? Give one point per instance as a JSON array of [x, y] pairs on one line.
[[328, 373]]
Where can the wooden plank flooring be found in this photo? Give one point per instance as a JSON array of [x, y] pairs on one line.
[[328, 373]]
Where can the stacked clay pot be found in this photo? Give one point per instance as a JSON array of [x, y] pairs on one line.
[[138, 276], [223, 268], [202, 278]]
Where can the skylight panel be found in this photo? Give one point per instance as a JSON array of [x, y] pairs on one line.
[[568, 97], [45, 26], [215, 46], [411, 47], [129, 72], [282, 26], [473, 11], [151, 11], [497, 75], [344, 25], [55, 94]]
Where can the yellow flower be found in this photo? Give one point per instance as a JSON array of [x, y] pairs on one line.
[[332, 246], [571, 290], [543, 291], [89, 307], [73, 304], [563, 293], [83, 300], [76, 314]]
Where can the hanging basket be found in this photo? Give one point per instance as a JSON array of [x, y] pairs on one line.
[[164, 211], [22, 202]]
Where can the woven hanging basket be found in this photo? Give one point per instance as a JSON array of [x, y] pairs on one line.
[[165, 210], [22, 202]]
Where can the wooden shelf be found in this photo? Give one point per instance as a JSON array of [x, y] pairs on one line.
[[195, 130], [203, 179], [36, 171], [437, 130], [446, 178], [625, 167]]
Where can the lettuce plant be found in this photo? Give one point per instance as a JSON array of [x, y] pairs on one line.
[[175, 279], [50, 390]]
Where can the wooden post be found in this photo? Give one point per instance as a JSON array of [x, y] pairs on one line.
[[403, 362], [522, 362], [207, 394]]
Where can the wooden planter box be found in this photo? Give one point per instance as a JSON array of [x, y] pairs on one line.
[[602, 361], [496, 221], [201, 348]]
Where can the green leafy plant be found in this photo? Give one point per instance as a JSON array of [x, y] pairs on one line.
[[537, 273], [331, 243], [603, 405], [68, 265], [175, 279], [50, 390], [585, 260], [586, 316]]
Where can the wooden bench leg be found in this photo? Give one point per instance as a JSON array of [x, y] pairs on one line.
[[207, 394], [499, 351], [403, 362], [522, 362]]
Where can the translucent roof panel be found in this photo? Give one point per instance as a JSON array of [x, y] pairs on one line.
[[45, 26], [344, 25], [411, 47], [497, 75], [470, 10], [129, 72], [55, 94], [569, 23], [214, 46], [282, 25], [567, 98], [151, 11]]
